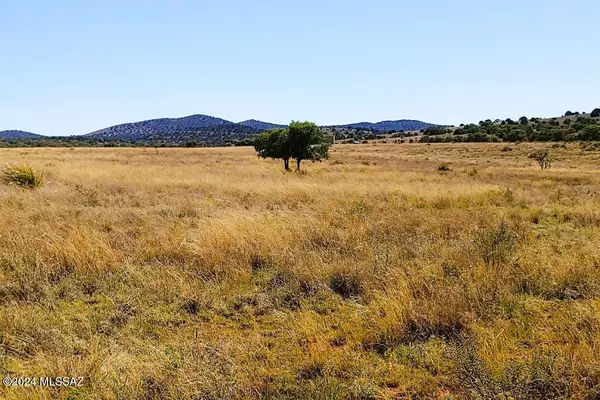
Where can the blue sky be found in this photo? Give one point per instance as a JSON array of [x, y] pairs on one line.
[[71, 67]]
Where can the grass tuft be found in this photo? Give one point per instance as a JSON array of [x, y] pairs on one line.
[[22, 175], [444, 167]]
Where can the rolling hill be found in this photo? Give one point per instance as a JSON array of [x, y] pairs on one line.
[[190, 126], [392, 126], [205, 130], [382, 126], [260, 125], [204, 127], [15, 134]]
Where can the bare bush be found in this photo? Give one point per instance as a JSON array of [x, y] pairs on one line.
[[543, 158]]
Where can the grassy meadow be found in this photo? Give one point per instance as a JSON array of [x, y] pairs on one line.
[[210, 274]]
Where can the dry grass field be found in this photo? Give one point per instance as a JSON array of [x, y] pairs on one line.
[[211, 274]]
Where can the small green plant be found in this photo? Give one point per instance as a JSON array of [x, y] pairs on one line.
[[22, 175]]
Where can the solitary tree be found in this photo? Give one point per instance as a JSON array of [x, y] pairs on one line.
[[595, 113], [301, 141], [274, 144]]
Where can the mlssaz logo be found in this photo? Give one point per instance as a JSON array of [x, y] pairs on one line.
[[44, 381]]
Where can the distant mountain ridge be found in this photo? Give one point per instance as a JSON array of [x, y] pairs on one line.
[[16, 134], [166, 126], [387, 126], [207, 129], [203, 127], [261, 125]]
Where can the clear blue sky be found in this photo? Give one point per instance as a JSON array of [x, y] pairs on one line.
[[71, 67]]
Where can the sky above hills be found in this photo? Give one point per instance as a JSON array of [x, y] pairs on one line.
[[73, 67]]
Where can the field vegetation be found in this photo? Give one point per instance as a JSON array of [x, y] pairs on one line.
[[571, 127], [389, 271]]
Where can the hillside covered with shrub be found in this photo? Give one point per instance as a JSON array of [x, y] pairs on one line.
[[570, 127], [14, 134]]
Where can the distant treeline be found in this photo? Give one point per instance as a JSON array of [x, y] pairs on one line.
[[570, 128], [92, 142]]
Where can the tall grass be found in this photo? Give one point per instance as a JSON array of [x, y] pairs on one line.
[[22, 175], [206, 273]]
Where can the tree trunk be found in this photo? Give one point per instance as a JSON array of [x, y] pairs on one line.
[[298, 164], [286, 164]]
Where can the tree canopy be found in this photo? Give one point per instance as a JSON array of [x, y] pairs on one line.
[[574, 128], [300, 141]]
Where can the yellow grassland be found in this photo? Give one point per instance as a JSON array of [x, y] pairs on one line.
[[209, 273]]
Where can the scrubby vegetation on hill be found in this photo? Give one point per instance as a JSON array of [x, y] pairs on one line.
[[391, 126], [207, 131], [206, 137], [86, 141], [194, 127], [571, 127], [142, 129], [211, 130], [13, 134], [261, 126], [194, 131]]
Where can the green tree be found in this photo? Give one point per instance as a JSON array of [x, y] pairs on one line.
[[306, 142], [515, 135], [596, 113], [435, 130], [274, 144], [590, 132], [301, 141]]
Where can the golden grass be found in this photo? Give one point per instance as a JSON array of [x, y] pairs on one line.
[[208, 273], [22, 176]]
